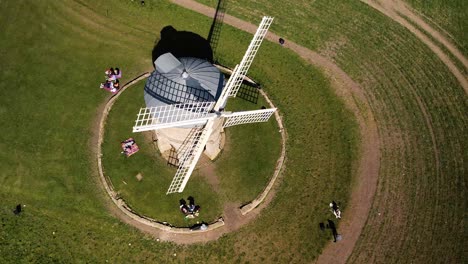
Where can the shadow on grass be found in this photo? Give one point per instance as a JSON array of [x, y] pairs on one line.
[[176, 42], [248, 93]]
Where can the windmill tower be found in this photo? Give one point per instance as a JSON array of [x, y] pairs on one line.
[[200, 112]]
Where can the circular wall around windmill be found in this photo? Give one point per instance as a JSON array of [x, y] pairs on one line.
[[184, 80]]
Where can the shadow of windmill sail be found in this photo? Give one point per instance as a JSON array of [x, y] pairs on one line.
[[173, 159], [215, 30], [249, 92]]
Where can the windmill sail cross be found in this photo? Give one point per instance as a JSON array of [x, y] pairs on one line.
[[205, 113]]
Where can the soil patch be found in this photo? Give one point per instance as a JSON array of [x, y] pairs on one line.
[[207, 170]]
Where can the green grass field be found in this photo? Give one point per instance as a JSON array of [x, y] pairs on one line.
[[450, 17], [418, 212], [53, 55], [243, 169]]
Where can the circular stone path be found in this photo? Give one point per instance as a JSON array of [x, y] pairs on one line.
[[233, 215]]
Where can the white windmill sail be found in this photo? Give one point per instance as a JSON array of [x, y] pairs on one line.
[[250, 53], [204, 113], [151, 118], [246, 117], [227, 89], [190, 158]]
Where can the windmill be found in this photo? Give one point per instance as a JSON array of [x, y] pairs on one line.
[[203, 115]]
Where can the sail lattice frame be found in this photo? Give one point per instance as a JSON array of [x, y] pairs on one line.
[[151, 118], [190, 158], [246, 117], [250, 53]]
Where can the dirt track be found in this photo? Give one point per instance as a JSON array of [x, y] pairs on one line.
[[398, 11], [362, 194]]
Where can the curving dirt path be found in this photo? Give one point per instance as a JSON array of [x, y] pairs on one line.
[[369, 164], [233, 216], [398, 11]]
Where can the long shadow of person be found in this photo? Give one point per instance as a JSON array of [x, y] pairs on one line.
[[332, 226], [191, 200]]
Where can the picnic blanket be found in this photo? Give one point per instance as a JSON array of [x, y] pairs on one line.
[[129, 147]]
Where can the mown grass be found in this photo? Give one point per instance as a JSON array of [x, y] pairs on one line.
[[147, 197], [444, 49], [243, 169], [248, 162], [421, 110], [53, 54], [450, 16]]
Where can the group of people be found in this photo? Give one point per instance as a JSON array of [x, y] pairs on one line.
[[112, 80], [331, 225], [129, 147], [189, 210]]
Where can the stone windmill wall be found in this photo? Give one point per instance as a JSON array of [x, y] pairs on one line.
[[173, 138]]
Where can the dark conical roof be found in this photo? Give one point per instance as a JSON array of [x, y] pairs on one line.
[[182, 80]]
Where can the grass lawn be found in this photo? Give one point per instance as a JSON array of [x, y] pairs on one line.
[[244, 168], [421, 113], [53, 55], [450, 17]]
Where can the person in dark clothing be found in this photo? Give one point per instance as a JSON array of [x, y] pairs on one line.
[[17, 210], [335, 209], [281, 41], [191, 205], [116, 85]]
